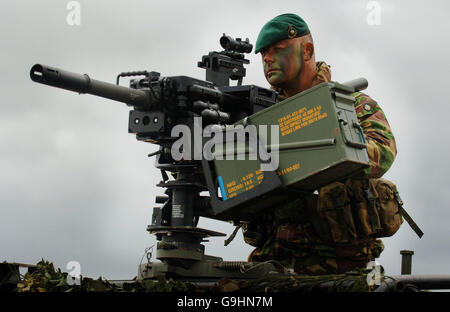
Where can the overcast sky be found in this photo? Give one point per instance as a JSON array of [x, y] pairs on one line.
[[74, 185]]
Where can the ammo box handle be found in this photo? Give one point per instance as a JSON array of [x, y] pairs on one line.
[[361, 144]]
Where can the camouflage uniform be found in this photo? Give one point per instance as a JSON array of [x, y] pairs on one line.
[[293, 239]]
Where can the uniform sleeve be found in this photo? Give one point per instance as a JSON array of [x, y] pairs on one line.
[[381, 146]]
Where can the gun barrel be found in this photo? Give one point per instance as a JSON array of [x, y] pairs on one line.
[[67, 80]]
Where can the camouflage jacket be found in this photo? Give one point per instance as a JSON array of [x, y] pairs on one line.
[[295, 244]]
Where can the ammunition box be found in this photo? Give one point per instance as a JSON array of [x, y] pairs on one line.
[[320, 142]]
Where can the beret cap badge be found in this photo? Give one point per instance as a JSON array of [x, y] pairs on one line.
[[292, 32]]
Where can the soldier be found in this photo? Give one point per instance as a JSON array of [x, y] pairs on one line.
[[310, 235]]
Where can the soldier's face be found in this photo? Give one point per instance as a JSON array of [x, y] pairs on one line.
[[282, 62]]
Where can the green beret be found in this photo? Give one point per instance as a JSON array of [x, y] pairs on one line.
[[285, 26]]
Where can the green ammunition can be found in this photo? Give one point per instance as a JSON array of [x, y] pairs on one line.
[[319, 141]]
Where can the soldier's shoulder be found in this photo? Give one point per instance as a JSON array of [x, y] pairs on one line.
[[363, 98], [365, 104]]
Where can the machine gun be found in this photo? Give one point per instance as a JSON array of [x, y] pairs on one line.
[[330, 139]]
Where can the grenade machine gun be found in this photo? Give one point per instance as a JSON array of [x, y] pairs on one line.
[[316, 139]]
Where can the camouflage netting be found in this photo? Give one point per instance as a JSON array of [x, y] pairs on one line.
[[45, 278]]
